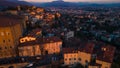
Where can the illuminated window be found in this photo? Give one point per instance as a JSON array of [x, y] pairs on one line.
[[2, 33]]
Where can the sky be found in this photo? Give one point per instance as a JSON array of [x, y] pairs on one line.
[[111, 1]]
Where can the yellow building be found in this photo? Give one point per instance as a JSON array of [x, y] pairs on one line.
[[51, 45], [11, 28], [92, 55], [70, 56], [85, 52], [30, 48], [80, 55]]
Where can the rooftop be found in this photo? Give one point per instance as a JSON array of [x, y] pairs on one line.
[[41, 41], [9, 20], [104, 52]]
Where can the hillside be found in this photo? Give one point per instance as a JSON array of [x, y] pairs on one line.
[[9, 3]]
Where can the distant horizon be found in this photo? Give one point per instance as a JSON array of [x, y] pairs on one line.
[[75, 1]]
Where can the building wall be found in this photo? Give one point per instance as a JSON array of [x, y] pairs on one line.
[[9, 38], [84, 57], [53, 47], [17, 33], [70, 58], [29, 50], [104, 64]]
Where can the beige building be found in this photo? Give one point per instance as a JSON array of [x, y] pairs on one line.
[[30, 48], [102, 54], [80, 55], [49, 45], [70, 56]]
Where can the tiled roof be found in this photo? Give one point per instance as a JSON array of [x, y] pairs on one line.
[[86, 47], [104, 52], [41, 41], [9, 20], [81, 45], [69, 50], [49, 39], [33, 33]]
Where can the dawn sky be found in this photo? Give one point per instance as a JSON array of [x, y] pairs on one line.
[[75, 0]]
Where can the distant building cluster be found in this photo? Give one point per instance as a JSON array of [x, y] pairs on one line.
[[33, 37]]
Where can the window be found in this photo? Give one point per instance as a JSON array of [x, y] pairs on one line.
[[86, 61], [25, 40], [10, 46], [0, 48], [79, 59], [22, 40], [74, 58], [69, 58], [65, 59], [5, 47], [8, 40], [3, 41], [2, 33], [7, 33]]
